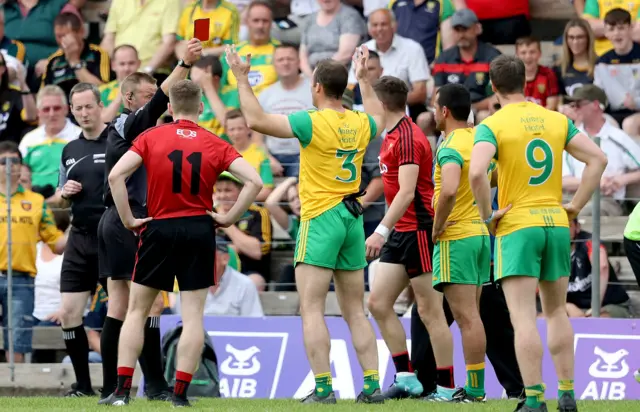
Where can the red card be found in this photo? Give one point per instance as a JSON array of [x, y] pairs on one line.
[[201, 29]]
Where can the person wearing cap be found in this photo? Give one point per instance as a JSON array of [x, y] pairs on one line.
[[623, 169], [250, 236], [466, 63], [234, 294]]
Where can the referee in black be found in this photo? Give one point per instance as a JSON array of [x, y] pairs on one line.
[[80, 186], [144, 104]]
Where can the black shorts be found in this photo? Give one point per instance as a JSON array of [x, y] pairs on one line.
[[178, 248], [413, 250], [117, 245], [79, 271]]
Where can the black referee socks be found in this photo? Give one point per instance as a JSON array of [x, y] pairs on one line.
[[109, 351], [151, 358], [75, 339]]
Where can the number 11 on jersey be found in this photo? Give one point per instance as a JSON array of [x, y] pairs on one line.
[[195, 160]]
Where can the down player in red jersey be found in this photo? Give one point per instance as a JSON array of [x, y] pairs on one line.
[[177, 240], [405, 252]]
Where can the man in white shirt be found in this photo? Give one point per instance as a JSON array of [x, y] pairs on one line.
[[291, 93], [622, 151], [234, 294], [400, 57], [42, 148]]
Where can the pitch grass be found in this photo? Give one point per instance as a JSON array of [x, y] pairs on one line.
[[255, 405]]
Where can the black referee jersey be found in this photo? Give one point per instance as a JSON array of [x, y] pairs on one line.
[[83, 161], [122, 131]]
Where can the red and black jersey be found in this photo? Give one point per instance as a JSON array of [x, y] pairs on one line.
[[543, 86], [183, 162], [406, 144]]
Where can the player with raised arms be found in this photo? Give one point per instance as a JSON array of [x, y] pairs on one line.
[[177, 240], [462, 255], [330, 242], [405, 252], [532, 247]]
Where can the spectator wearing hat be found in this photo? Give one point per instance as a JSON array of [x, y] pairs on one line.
[[233, 294], [250, 236], [623, 153], [466, 63]]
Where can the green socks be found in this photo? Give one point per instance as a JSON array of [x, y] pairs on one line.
[[371, 381], [323, 384], [565, 386], [475, 380], [535, 395]]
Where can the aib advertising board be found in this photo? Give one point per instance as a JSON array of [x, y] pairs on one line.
[[265, 358]]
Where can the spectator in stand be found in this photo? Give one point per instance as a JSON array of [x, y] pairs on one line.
[[289, 30], [614, 301], [206, 73], [467, 63], [426, 22], [616, 71], [25, 177], [17, 107], [400, 57], [595, 12], [124, 62], [503, 22], [31, 221], [250, 236], [224, 25], [577, 63], [291, 93], [622, 151], [76, 60], [150, 27], [289, 219], [13, 48], [46, 309], [333, 32], [42, 148], [240, 136], [234, 294], [261, 47], [542, 85], [31, 22]]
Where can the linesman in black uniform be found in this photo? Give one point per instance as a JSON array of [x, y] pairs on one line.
[[80, 186], [144, 104]]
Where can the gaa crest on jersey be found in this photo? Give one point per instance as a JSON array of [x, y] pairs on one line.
[[187, 134], [480, 78], [6, 106], [453, 78], [541, 87], [243, 225], [26, 205]]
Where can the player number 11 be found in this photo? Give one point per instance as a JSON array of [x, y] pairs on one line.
[[195, 159]]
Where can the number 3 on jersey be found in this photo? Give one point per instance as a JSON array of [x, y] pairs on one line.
[[195, 160], [540, 158], [347, 165]]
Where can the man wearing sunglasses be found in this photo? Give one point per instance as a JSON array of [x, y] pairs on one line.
[[31, 221]]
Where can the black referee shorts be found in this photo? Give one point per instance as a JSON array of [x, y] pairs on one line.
[[117, 245], [178, 248], [79, 271], [413, 250]]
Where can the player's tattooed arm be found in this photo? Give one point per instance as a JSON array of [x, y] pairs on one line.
[[128, 163], [257, 119]]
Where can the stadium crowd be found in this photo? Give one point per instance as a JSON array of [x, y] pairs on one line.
[[48, 46]]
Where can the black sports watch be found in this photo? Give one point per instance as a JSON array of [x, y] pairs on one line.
[[181, 63]]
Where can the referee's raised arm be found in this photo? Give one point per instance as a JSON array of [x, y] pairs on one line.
[[147, 116]]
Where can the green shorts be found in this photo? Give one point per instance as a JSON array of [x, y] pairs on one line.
[[333, 240], [540, 252], [462, 262]]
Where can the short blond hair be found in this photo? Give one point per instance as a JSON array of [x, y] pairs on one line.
[[133, 80], [185, 97], [51, 90]]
